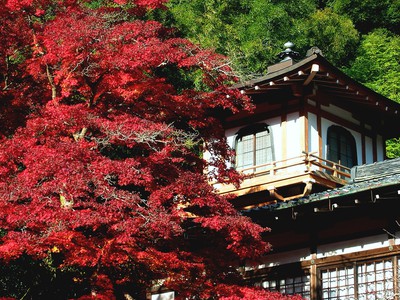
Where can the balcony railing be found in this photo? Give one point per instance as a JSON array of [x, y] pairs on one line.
[[336, 169], [307, 162], [307, 167]]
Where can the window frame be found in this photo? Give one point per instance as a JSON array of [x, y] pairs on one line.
[[272, 277], [253, 130], [287, 277], [355, 265], [341, 134]]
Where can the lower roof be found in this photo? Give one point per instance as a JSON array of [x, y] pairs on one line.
[[373, 178]]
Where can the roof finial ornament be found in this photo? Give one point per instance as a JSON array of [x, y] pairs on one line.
[[314, 50], [288, 53]]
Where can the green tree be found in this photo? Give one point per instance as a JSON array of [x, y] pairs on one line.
[[368, 15], [393, 148], [263, 31], [250, 32], [334, 34], [377, 66], [377, 63]]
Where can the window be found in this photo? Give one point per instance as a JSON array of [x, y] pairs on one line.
[[341, 146], [358, 280], [299, 285], [288, 279], [362, 281], [375, 280], [338, 283], [253, 146]]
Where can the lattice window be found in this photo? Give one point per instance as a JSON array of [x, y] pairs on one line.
[[375, 280], [253, 147], [341, 146], [299, 285], [338, 283], [370, 280]]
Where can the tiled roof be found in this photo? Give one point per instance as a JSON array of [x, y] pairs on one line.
[[376, 170], [364, 178]]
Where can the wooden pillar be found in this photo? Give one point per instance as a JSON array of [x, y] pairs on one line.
[[304, 125], [313, 281], [363, 150], [314, 277], [284, 132], [396, 278], [319, 128]]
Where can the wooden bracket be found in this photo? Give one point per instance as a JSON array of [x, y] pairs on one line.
[[314, 71], [274, 193]]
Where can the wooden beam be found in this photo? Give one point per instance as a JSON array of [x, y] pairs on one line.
[[314, 71], [350, 125]]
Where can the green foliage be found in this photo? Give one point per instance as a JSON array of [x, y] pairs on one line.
[[334, 34], [377, 66], [253, 32], [16, 58], [370, 14], [377, 63], [250, 32], [95, 3], [205, 22], [393, 148], [264, 30]]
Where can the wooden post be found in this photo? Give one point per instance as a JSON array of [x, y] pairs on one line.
[[335, 170]]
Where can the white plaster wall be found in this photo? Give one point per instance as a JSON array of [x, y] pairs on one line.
[[230, 135], [276, 128], [328, 250], [293, 135], [346, 247], [343, 114], [313, 137], [276, 259], [368, 141]]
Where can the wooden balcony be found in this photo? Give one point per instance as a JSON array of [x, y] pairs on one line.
[[286, 180]]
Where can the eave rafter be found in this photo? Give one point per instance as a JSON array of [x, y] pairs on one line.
[[322, 77], [311, 75], [350, 92], [275, 83]]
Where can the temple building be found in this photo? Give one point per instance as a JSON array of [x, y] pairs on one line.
[[314, 150]]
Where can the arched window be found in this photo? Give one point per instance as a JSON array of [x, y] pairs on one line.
[[253, 146], [341, 146]]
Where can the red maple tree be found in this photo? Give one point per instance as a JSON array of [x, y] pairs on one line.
[[101, 177]]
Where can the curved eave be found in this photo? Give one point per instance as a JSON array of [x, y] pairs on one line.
[[325, 81]]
